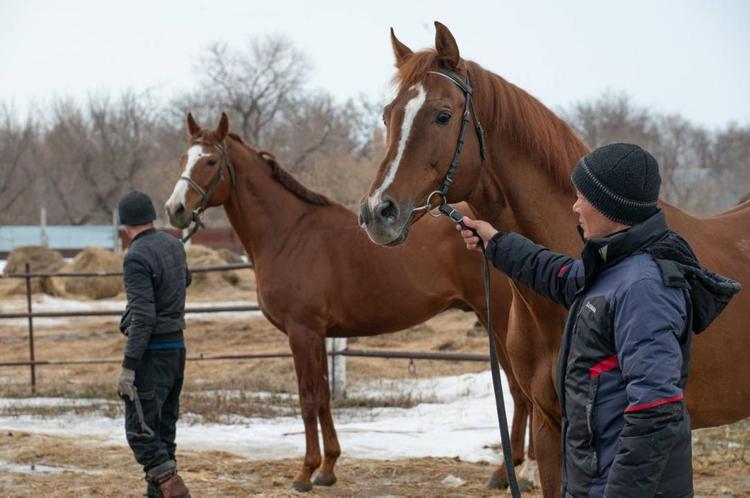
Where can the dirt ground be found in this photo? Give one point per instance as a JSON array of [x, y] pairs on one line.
[[85, 468], [88, 467]]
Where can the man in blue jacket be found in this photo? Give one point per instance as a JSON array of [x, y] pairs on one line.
[[153, 366], [633, 298]]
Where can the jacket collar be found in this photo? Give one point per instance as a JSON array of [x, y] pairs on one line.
[[144, 233], [601, 253]]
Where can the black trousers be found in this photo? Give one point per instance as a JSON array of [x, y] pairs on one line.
[[158, 379]]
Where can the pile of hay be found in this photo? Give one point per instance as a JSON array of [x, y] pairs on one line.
[[229, 256], [91, 259], [199, 256], [41, 260]]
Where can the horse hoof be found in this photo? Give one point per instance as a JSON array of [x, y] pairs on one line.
[[324, 479], [302, 487], [498, 480]]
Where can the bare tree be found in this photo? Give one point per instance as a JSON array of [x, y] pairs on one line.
[[701, 171], [92, 157], [17, 148], [611, 118], [731, 157], [253, 85], [263, 90], [674, 151]]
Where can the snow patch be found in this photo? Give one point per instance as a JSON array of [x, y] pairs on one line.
[[461, 424], [44, 303], [41, 469]]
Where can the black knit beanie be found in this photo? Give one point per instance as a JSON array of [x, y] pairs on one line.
[[135, 209], [621, 181]]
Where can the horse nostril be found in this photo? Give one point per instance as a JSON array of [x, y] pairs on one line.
[[387, 211], [180, 209]]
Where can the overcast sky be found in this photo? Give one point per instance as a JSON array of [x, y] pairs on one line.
[[689, 57]]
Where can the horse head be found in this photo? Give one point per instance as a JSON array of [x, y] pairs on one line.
[[426, 122], [206, 174]]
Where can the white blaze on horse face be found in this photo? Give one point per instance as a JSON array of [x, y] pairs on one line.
[[194, 154], [410, 112]]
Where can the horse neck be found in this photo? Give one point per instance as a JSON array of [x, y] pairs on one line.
[[522, 187], [515, 195], [261, 211]]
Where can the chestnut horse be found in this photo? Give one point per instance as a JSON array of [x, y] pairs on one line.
[[523, 185], [318, 276]]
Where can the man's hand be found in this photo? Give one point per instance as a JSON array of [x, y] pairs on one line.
[[125, 384], [484, 229]]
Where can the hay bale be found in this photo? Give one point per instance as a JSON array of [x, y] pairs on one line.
[[230, 257], [41, 260], [199, 256], [94, 259]]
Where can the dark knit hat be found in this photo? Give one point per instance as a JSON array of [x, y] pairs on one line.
[[135, 208], [621, 181]]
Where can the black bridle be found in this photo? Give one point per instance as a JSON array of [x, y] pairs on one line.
[[456, 217], [468, 115], [209, 190]]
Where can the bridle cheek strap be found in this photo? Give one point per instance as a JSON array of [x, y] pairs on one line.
[[468, 115], [212, 185]]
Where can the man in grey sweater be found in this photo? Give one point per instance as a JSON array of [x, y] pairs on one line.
[[156, 276]]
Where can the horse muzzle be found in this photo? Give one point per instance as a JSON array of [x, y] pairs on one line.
[[179, 215], [386, 224]]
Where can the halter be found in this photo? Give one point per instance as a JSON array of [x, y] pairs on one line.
[[206, 194], [465, 87]]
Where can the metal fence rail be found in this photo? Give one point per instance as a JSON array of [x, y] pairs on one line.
[[27, 274], [30, 315], [404, 355], [58, 314]]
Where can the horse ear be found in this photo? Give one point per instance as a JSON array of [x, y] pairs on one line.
[[446, 46], [193, 127], [223, 129], [401, 51]]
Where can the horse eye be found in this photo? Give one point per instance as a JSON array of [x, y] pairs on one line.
[[212, 162], [443, 118]]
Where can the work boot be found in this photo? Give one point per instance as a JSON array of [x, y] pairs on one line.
[[174, 487]]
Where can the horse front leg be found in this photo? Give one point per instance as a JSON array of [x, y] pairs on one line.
[[305, 345], [521, 413], [331, 448], [546, 436]]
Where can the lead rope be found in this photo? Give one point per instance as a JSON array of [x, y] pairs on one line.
[[497, 387]]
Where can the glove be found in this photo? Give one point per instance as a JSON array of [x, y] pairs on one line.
[[126, 384]]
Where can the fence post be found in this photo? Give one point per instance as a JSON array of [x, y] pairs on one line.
[[43, 226], [116, 242], [336, 366], [31, 330]]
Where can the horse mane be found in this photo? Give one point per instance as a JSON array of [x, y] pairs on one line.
[[284, 177], [515, 115]]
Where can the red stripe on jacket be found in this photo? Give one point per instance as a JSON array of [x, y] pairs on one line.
[[653, 404], [562, 270], [605, 365]]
